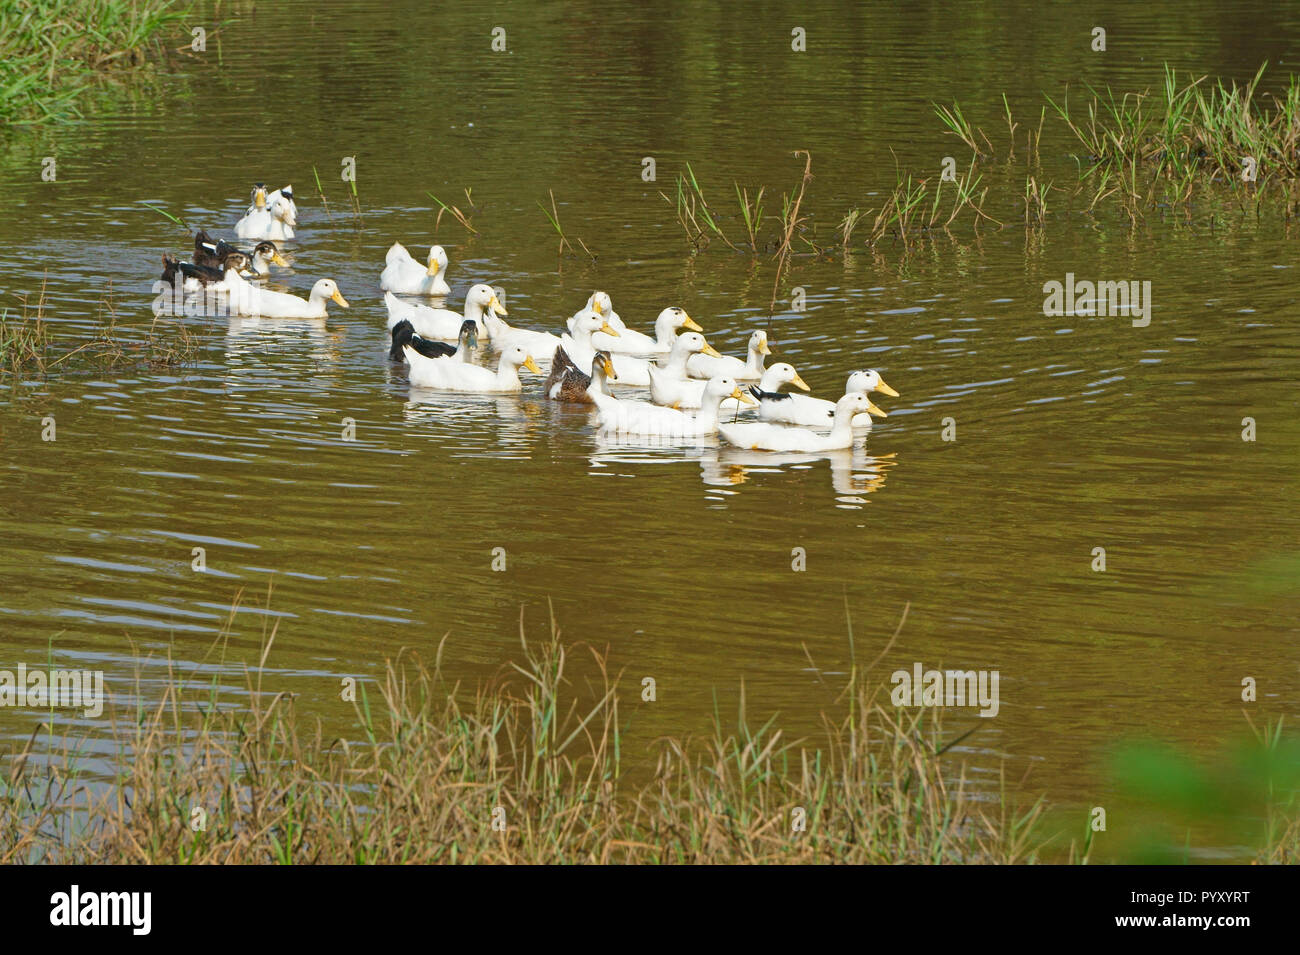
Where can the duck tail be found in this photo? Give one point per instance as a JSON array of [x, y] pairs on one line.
[[394, 306], [394, 250], [403, 332], [561, 367], [561, 362]]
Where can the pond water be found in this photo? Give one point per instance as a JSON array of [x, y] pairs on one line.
[[1072, 433]]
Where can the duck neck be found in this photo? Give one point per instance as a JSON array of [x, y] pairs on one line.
[[769, 382], [755, 363], [707, 416], [676, 364], [508, 375], [477, 312], [497, 326], [260, 266], [599, 383], [666, 332], [842, 426]]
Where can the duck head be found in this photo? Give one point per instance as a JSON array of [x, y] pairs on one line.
[[855, 403], [723, 387], [483, 298], [282, 208], [782, 373], [264, 252], [603, 365], [468, 338], [516, 357], [869, 381], [682, 319], [588, 323], [326, 289], [437, 260], [693, 343]]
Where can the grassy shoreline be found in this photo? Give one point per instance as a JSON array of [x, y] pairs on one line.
[[530, 769], [53, 51], [30, 347]]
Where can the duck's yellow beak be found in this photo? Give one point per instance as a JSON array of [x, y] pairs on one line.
[[532, 365], [710, 351], [433, 268], [259, 198], [495, 305], [691, 324], [741, 396], [608, 367], [872, 409], [280, 260], [798, 382], [608, 329], [764, 347], [884, 389], [338, 297], [595, 307]]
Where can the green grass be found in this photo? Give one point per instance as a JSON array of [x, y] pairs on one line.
[[1191, 133], [52, 51], [553, 217], [1139, 151]]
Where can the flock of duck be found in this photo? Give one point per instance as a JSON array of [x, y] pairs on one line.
[[694, 391]]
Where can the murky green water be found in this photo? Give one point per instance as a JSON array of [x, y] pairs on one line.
[[1072, 433]]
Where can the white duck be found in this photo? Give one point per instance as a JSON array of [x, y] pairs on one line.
[[403, 274], [577, 344], [687, 392], [599, 304], [504, 334], [450, 374], [641, 417], [443, 323], [635, 372], [761, 436], [632, 342], [269, 217], [668, 384], [817, 412], [667, 325], [248, 299], [706, 366]]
